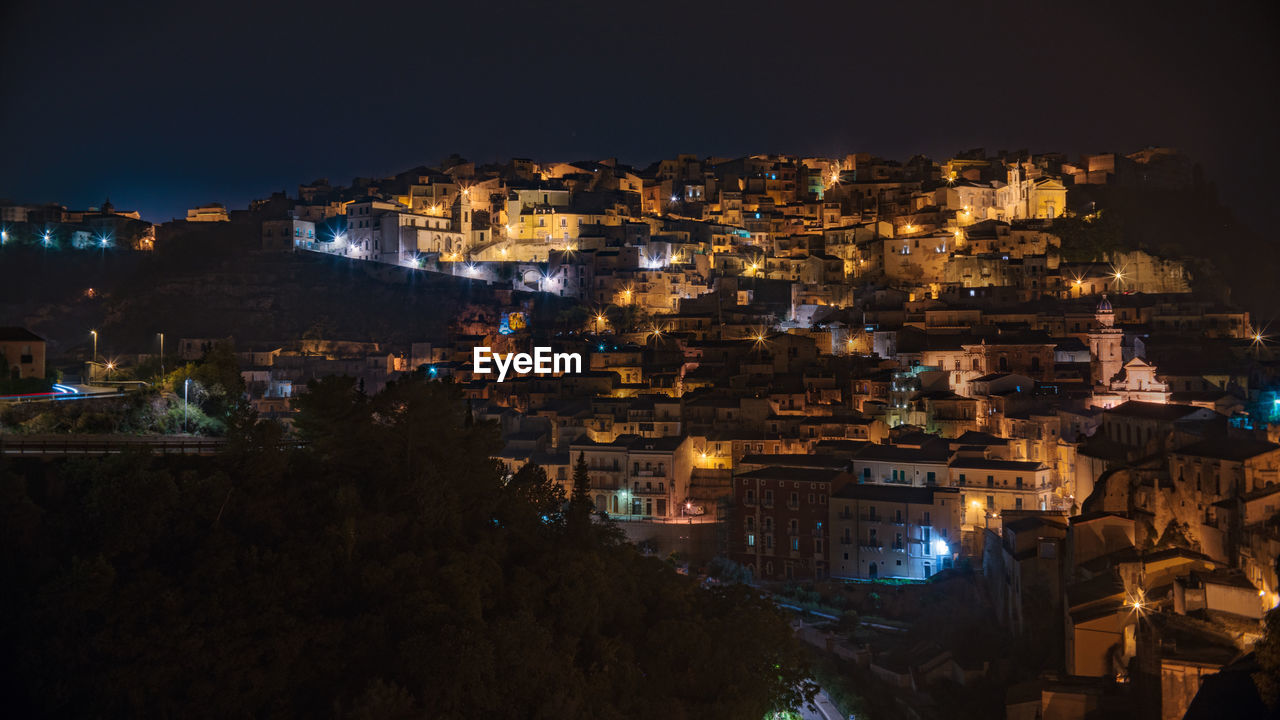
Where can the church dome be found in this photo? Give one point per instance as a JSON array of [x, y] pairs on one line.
[[1105, 305]]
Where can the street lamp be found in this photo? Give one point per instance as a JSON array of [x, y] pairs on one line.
[[186, 387], [161, 354], [94, 333]]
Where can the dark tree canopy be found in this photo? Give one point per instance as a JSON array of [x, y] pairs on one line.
[[386, 570]]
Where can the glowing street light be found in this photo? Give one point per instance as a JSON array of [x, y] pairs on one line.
[[94, 333], [45, 237]]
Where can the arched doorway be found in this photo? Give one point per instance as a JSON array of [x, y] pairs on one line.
[[873, 572]]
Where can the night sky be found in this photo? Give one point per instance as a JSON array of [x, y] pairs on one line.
[[177, 104]]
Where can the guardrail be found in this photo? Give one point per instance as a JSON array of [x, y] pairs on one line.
[[35, 445]]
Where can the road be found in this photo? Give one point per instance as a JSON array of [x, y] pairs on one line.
[[821, 709]]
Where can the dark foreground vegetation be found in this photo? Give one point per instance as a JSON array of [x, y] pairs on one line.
[[386, 570]]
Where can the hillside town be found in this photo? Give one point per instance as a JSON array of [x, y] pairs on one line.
[[822, 371]]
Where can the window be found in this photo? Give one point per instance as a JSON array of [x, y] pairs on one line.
[[795, 500], [930, 477], [768, 498], [866, 472], [926, 517], [751, 540], [991, 481], [962, 478], [991, 502], [871, 537], [1017, 503], [926, 537], [1017, 482], [795, 543], [794, 526]]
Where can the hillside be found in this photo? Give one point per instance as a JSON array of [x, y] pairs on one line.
[[194, 292]]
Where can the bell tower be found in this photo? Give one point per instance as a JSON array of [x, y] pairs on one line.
[[1104, 344], [465, 210]]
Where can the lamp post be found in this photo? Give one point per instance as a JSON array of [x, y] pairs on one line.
[[94, 333], [186, 386], [161, 354]]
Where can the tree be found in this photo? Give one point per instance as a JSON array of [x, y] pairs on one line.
[[580, 505], [385, 567]]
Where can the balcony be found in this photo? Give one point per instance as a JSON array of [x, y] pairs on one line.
[[845, 515], [870, 546], [638, 489]]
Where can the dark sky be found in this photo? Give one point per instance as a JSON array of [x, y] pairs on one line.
[[167, 105]]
